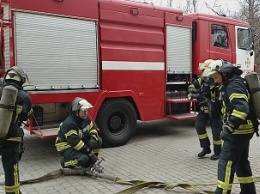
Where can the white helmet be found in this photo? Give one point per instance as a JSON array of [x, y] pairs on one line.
[[206, 72], [80, 103], [205, 64], [214, 67]]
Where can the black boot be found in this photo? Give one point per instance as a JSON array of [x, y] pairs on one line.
[[204, 152], [215, 157]]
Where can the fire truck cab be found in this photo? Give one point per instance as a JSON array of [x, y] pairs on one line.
[[132, 61]]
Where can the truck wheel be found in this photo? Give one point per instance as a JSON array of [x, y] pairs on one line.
[[117, 122]]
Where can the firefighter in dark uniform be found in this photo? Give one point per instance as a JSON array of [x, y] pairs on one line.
[[239, 125], [78, 142], [209, 110], [11, 146]]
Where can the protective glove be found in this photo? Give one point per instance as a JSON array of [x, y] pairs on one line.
[[193, 95], [93, 159], [227, 131], [204, 102], [93, 142]]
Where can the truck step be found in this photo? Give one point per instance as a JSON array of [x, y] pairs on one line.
[[183, 116], [45, 133]]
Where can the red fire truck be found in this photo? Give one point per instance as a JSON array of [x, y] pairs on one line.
[[132, 61]]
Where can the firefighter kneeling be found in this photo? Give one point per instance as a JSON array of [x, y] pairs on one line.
[[78, 142]]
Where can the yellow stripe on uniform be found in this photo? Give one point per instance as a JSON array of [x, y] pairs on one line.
[[245, 180], [203, 136], [79, 145], [244, 131], [219, 142], [226, 186], [17, 139], [71, 132], [62, 146], [239, 114], [238, 95], [29, 113], [15, 188]]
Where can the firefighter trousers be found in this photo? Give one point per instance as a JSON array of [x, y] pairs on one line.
[[10, 157], [216, 127], [234, 158]]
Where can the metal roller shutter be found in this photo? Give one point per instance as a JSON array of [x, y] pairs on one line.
[[56, 52]]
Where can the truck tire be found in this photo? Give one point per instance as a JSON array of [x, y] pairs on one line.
[[117, 122]]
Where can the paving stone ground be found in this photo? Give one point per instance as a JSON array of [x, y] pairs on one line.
[[164, 151]]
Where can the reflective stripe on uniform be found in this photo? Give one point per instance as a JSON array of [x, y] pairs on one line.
[[79, 145], [238, 95], [19, 109], [239, 114], [244, 131], [62, 146], [245, 180], [219, 142], [245, 128], [71, 132], [71, 163], [205, 109], [17, 139], [226, 185], [29, 113], [96, 151], [15, 188], [203, 136]]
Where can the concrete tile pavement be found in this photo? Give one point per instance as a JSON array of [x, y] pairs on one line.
[[164, 151]]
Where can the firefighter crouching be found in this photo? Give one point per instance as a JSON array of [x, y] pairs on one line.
[[11, 145], [78, 142], [209, 110], [238, 128]]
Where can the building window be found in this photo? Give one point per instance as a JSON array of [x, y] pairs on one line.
[[219, 36]]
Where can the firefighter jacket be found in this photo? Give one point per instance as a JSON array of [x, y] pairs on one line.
[[208, 96], [75, 133], [23, 111], [236, 106]]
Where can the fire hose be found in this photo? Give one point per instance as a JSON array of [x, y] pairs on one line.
[[136, 185]]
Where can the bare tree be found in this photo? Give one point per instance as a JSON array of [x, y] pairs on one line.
[[216, 8], [191, 6]]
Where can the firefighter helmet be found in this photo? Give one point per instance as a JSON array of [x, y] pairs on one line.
[[16, 74], [80, 103], [205, 64], [205, 74], [214, 67], [229, 68]]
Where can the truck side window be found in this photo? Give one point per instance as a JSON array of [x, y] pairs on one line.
[[219, 36], [243, 39]]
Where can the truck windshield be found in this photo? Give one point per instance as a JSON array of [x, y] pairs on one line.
[[244, 39]]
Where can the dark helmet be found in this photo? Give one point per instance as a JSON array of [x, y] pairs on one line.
[[16, 74], [230, 69], [80, 103]]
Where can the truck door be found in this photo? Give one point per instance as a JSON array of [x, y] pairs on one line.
[[244, 50], [220, 43]]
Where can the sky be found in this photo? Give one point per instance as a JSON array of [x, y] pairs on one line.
[[232, 5]]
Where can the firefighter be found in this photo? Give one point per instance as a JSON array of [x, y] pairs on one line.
[[78, 141], [209, 110], [239, 125], [11, 146]]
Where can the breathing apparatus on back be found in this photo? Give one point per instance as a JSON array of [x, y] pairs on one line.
[[13, 79]]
